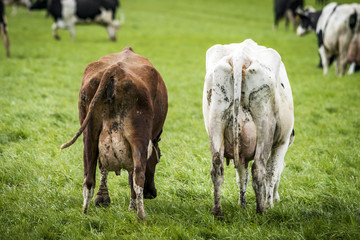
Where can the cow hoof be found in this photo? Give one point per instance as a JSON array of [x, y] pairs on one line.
[[57, 37], [242, 204], [102, 201], [85, 210], [260, 210], [217, 212], [132, 205]]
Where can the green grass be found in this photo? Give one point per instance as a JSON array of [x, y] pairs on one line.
[[40, 187]]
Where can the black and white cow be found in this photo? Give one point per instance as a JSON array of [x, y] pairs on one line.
[[335, 26], [249, 115], [3, 28], [287, 9], [67, 13]]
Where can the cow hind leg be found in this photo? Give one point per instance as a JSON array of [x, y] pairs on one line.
[[242, 176], [139, 151], [5, 38], [72, 32], [102, 197], [274, 167], [276, 187], [324, 59], [88, 195], [216, 133], [132, 204], [55, 27], [111, 30], [217, 176], [91, 153]]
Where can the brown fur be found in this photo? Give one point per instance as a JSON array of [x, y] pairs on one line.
[[122, 95]]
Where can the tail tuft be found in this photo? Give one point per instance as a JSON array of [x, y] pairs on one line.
[[353, 19]]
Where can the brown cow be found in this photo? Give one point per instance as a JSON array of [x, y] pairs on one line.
[[122, 110]]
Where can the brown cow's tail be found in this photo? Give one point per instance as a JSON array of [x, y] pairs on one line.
[[111, 71]]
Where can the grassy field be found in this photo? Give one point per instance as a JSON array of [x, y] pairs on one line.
[[41, 187]]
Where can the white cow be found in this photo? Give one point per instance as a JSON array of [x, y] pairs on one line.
[[336, 26], [249, 115]]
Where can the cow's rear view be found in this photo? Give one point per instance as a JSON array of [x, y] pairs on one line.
[[248, 113], [122, 110]]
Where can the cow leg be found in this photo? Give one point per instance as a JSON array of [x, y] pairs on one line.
[[14, 10], [102, 196], [217, 176], [261, 107], [289, 18], [242, 177], [274, 167], [5, 38], [72, 31], [343, 61], [132, 204], [111, 30], [217, 170], [55, 27], [276, 22], [337, 65], [276, 187], [91, 152], [324, 59], [139, 152]]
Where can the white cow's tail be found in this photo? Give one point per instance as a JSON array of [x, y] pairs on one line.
[[238, 66]]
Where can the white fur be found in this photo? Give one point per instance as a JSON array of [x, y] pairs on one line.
[[150, 149], [88, 195], [337, 34], [139, 191]]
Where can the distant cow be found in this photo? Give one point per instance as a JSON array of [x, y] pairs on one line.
[[67, 13], [17, 3], [249, 115], [287, 9], [3, 28], [335, 26], [122, 110]]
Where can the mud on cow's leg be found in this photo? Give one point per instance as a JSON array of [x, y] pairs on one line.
[[132, 204], [217, 176], [102, 197], [258, 182], [242, 177], [274, 168], [139, 159]]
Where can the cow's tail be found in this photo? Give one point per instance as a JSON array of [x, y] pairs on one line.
[[102, 86], [238, 70], [353, 21]]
